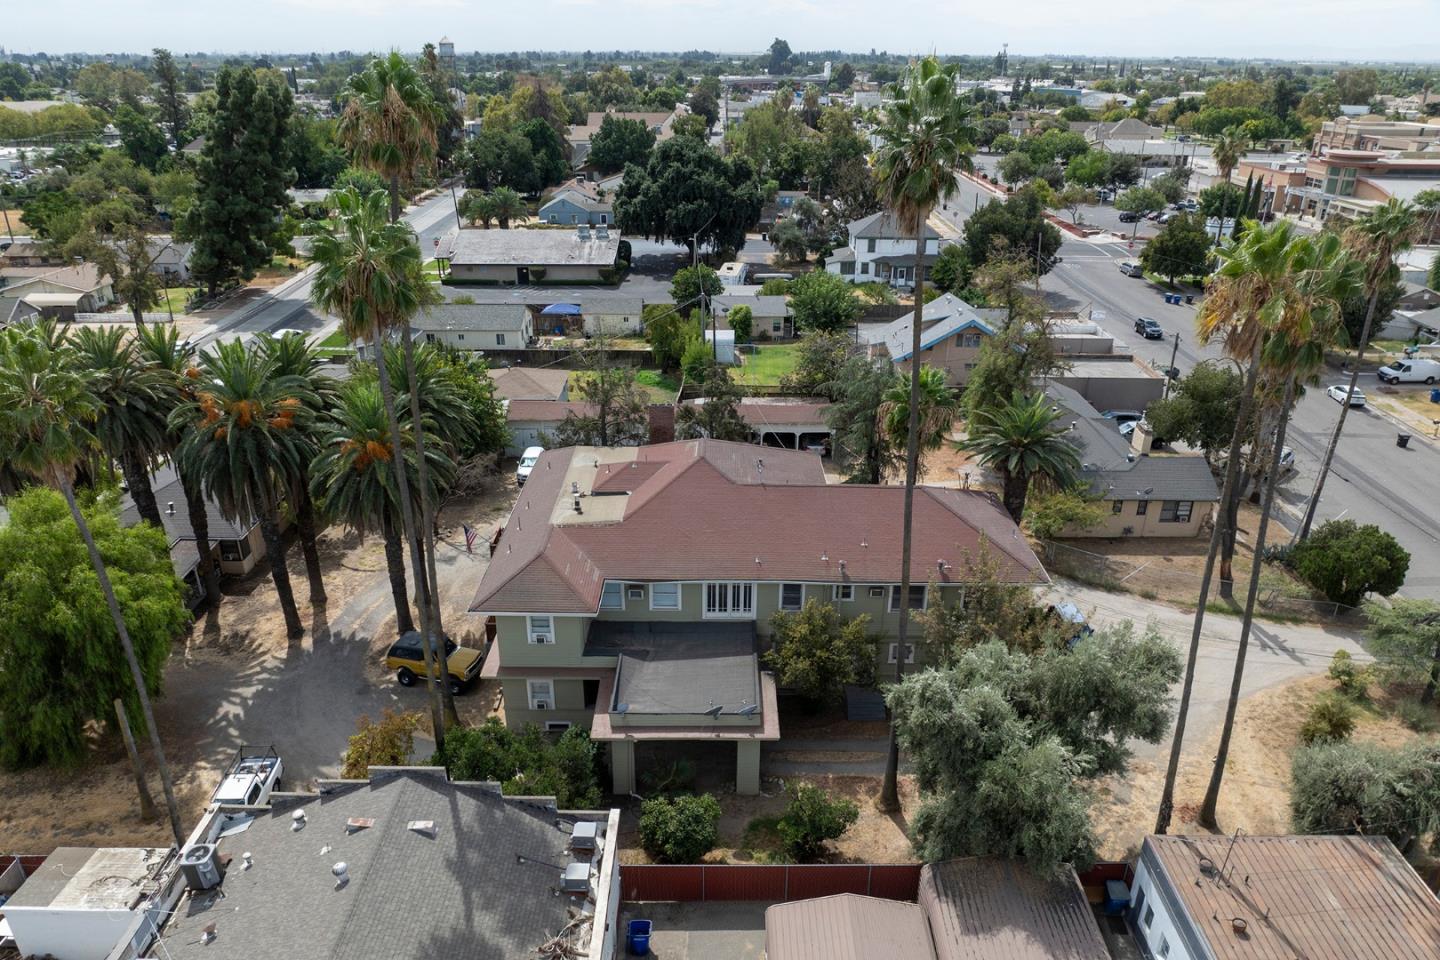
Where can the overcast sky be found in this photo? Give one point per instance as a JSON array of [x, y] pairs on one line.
[[1318, 29]]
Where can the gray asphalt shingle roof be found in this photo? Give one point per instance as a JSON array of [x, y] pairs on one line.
[[168, 489], [537, 247], [883, 225], [769, 307], [944, 316], [501, 317], [458, 893]]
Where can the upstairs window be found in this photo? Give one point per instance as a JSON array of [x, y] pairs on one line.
[[612, 597], [729, 600], [792, 596], [664, 596], [917, 597]]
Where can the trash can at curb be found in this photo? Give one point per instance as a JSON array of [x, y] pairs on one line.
[[638, 938], [1402, 440]]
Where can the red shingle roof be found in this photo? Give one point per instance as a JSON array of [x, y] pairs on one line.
[[707, 509]]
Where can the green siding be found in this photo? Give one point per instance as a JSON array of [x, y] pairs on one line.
[[569, 702]]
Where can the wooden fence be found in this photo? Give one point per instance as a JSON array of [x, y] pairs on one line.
[[776, 883]]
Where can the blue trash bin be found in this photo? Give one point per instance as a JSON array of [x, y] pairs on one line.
[[637, 938], [1435, 395]]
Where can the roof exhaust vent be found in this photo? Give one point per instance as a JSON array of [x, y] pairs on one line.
[[297, 821], [341, 871], [170, 508], [577, 504]]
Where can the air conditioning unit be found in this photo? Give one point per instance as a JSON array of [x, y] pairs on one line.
[[576, 878], [200, 864], [877, 591], [584, 835], [635, 593], [542, 704], [542, 638]]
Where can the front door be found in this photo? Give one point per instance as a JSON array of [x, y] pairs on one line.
[[592, 692], [522, 275]]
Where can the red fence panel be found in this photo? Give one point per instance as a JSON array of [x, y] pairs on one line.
[[745, 882], [658, 882], [895, 881], [823, 880], [1106, 870]]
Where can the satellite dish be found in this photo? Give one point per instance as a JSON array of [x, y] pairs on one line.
[[715, 711], [622, 708], [749, 711]]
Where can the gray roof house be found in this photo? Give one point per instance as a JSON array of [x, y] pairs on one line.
[[523, 256], [880, 250], [1149, 494], [771, 316], [576, 202], [476, 326], [407, 865]]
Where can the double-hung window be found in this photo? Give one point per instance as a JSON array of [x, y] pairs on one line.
[[792, 596], [542, 630], [726, 600], [917, 597], [664, 596], [542, 694], [612, 596], [895, 652], [1176, 511], [843, 591]]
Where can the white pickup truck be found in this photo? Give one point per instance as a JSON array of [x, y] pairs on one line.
[[251, 777]]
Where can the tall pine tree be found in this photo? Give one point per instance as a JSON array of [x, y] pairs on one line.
[[241, 179]]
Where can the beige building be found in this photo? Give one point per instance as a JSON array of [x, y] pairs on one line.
[[1348, 184], [950, 337], [476, 326], [523, 256], [633, 588]]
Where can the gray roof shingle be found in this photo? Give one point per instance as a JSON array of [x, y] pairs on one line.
[[501, 317], [537, 247]]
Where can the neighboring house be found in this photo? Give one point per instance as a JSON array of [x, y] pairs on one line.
[[15, 310], [1112, 381], [1158, 153], [771, 316], [1318, 897], [613, 316], [476, 326], [1127, 129], [194, 147], [169, 258], [795, 423], [23, 254], [65, 291], [880, 250], [76, 904], [633, 588], [576, 202], [403, 865], [971, 909], [523, 256], [950, 337], [661, 124], [530, 383], [1144, 494], [533, 421], [235, 547], [1417, 298], [780, 207]]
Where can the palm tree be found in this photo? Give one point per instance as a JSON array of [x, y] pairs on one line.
[[352, 478], [246, 440], [926, 142], [390, 121], [506, 205], [130, 409], [1245, 298], [1021, 441], [293, 356], [173, 360], [939, 406], [45, 412], [1390, 229], [1227, 150], [369, 275], [1324, 275], [477, 205]]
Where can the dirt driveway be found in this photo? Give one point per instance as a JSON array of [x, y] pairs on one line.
[[236, 680]]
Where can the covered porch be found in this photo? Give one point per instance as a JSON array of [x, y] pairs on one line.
[[678, 683]]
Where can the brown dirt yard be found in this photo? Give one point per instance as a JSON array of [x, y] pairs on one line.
[[234, 679]]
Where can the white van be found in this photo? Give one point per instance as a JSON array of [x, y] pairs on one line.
[[1410, 371]]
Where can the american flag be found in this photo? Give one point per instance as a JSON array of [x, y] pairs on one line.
[[469, 538]]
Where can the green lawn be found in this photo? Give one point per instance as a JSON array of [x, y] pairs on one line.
[[333, 344], [432, 270], [768, 364], [173, 300]]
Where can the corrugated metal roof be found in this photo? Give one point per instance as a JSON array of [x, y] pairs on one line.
[[1320, 898], [990, 909], [846, 926]]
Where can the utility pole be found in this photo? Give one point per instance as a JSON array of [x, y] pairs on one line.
[[1173, 352]]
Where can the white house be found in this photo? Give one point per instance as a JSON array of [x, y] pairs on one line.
[[476, 326], [880, 250]]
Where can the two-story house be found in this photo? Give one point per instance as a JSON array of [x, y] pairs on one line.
[[951, 333], [880, 250], [633, 588]]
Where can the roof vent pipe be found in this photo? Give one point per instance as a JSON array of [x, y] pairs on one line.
[[577, 504]]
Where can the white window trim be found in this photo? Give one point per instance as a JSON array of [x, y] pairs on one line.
[[842, 592], [892, 607], [894, 651], [729, 614], [607, 585], [530, 693], [557, 726], [781, 604], [679, 599], [532, 632]]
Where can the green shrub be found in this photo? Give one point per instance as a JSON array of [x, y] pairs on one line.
[[1415, 715], [679, 829], [386, 742], [678, 777], [527, 763], [1332, 718], [1350, 679], [817, 652], [811, 818], [464, 298], [1345, 561]]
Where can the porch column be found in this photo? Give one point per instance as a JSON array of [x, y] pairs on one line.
[[747, 767], [622, 767]]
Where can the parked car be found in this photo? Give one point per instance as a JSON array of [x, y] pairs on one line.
[[1123, 416], [1070, 621], [1153, 215], [1129, 216], [1410, 371], [1132, 269], [1149, 329], [406, 657], [1166, 217], [528, 459], [1337, 393], [252, 776]]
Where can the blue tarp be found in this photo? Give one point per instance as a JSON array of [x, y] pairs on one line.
[[561, 310]]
